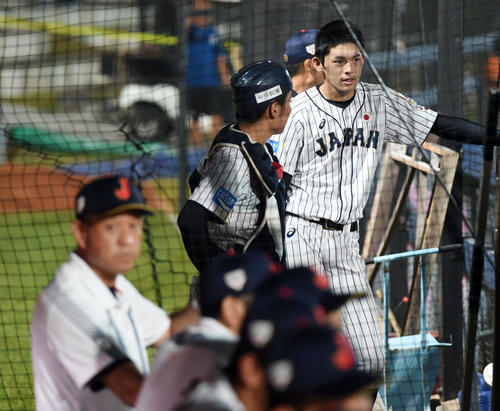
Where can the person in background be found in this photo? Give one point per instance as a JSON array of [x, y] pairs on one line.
[[298, 54], [208, 73]]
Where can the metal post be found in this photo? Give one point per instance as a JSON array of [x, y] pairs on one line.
[[495, 391], [423, 327], [182, 134], [386, 327], [451, 97], [142, 15], [423, 297], [476, 276]]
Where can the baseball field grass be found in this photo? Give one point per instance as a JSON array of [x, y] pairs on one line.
[[32, 246]]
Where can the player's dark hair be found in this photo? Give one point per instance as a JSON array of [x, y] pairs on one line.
[[334, 33], [259, 112], [211, 310], [294, 69]]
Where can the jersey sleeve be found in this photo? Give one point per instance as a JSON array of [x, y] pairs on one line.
[[223, 179], [174, 376], [288, 145], [406, 121]]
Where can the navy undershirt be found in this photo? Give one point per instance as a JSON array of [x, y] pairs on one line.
[[339, 104]]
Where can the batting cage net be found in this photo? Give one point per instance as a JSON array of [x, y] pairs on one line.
[[93, 87]]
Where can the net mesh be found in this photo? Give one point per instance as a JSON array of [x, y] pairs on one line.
[[101, 86]]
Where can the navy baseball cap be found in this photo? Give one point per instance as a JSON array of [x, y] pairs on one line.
[[300, 46], [271, 314], [314, 362], [236, 275], [303, 280], [108, 196]]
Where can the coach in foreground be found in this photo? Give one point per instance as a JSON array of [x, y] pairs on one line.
[[237, 199], [90, 326]]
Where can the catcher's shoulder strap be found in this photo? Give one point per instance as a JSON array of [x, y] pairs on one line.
[[262, 164], [259, 158]]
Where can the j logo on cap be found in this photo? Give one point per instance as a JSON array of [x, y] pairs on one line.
[[123, 193]]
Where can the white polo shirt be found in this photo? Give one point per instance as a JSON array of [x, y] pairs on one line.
[[79, 328]]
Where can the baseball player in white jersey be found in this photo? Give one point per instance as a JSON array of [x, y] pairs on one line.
[[329, 151], [192, 357], [237, 199], [90, 326]]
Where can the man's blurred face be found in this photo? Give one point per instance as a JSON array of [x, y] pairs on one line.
[[110, 245]]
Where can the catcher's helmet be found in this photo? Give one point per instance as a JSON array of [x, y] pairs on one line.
[[257, 85]]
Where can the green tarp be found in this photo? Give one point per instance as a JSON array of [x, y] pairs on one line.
[[67, 143]]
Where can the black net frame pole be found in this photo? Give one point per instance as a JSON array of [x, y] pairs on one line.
[[495, 391], [182, 11], [476, 276]]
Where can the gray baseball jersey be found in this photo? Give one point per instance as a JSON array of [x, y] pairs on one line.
[[331, 151]]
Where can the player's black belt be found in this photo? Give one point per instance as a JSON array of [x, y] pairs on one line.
[[329, 224]]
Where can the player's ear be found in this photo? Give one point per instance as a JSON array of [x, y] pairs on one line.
[[316, 63], [250, 372], [79, 233], [274, 110], [309, 65]]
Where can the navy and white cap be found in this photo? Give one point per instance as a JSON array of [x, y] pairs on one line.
[[300, 46], [307, 361], [236, 275], [270, 315], [313, 363], [304, 281], [108, 196]]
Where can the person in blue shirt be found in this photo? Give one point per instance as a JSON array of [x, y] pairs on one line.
[[208, 73]]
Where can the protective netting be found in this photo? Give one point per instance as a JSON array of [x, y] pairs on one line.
[[103, 86]]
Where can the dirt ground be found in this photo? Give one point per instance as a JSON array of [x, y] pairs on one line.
[[31, 188]]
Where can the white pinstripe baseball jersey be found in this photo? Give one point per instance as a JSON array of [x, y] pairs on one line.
[[226, 189], [332, 152]]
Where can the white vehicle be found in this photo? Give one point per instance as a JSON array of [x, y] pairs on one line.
[[150, 110]]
